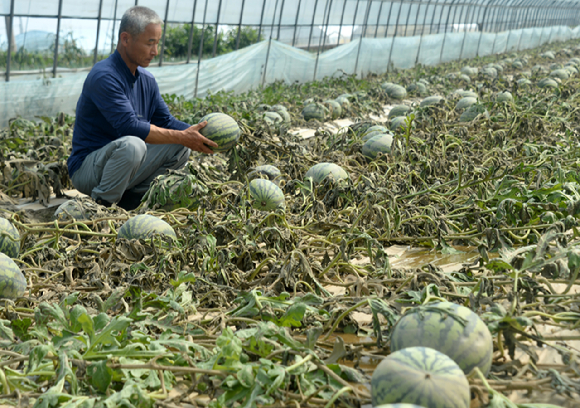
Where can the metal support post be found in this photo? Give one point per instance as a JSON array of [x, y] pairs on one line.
[[483, 21], [327, 17], [261, 19], [10, 34], [280, 20], [341, 21], [416, 20], [296, 24], [113, 29], [388, 19], [190, 39], [394, 36], [55, 57], [407, 19], [354, 20], [269, 43], [312, 25], [440, 18], [240, 26], [465, 34], [163, 35], [445, 32], [99, 17], [423, 31], [361, 38], [215, 36], [199, 53], [379, 18]]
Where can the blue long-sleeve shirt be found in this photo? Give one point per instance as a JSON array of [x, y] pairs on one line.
[[115, 103]]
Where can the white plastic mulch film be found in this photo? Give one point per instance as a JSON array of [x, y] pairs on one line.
[[283, 23]]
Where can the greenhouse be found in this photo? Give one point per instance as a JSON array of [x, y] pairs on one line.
[[290, 203]]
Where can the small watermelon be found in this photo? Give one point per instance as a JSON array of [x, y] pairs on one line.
[[142, 226], [469, 71], [449, 328], [432, 100], [222, 129], [399, 110], [267, 196], [273, 118], [421, 376], [9, 239], [400, 122], [321, 171], [315, 111], [464, 78], [525, 82], [278, 108], [12, 281], [344, 102], [418, 88], [377, 144], [285, 116], [465, 103], [547, 83], [464, 94], [560, 73], [334, 108], [394, 91], [374, 131], [265, 171], [504, 97], [70, 209], [473, 112]]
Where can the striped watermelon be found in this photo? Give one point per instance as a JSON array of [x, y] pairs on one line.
[[278, 108], [267, 196], [399, 122], [344, 102], [142, 226], [421, 376], [315, 111], [70, 209], [402, 405], [9, 239], [473, 112], [222, 129], [449, 328], [374, 131], [321, 171], [465, 103], [399, 110], [265, 171], [394, 91], [377, 144], [547, 83], [334, 107], [12, 281], [273, 118], [431, 100]]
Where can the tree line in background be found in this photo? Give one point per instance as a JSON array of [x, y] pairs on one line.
[[71, 55]]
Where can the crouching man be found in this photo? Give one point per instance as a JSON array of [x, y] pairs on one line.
[[124, 134]]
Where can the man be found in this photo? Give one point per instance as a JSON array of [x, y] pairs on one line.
[[124, 135]]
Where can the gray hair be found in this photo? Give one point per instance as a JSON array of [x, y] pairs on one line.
[[136, 19]]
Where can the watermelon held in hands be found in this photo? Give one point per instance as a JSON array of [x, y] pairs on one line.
[[267, 196], [449, 328], [12, 281], [9, 239], [143, 226], [221, 129], [420, 376]]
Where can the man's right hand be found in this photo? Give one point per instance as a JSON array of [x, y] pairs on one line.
[[196, 141]]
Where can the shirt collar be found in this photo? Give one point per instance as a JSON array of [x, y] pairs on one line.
[[122, 66]]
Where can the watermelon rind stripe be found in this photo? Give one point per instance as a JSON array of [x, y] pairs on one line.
[[267, 196], [222, 129], [12, 281]]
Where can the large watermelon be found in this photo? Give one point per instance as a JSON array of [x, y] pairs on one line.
[[449, 328], [12, 281], [316, 111], [222, 129], [267, 196], [320, 171], [9, 239], [377, 144], [142, 226], [421, 376]]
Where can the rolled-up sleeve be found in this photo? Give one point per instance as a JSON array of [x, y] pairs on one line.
[[107, 94]]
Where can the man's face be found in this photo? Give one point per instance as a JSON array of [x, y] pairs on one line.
[[142, 49]]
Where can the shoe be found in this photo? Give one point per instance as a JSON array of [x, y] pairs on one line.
[[130, 200], [104, 203]]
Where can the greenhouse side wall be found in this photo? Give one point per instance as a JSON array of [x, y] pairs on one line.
[[270, 60]]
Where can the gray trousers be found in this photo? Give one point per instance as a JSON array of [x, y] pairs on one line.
[[126, 164]]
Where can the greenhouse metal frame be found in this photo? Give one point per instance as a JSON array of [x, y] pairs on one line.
[[389, 18]]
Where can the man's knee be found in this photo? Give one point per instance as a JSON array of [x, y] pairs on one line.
[[181, 158], [132, 148]]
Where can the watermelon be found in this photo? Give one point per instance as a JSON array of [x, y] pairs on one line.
[[9, 239], [489, 72], [465, 103], [556, 66], [267, 196], [547, 83], [469, 71], [350, 97], [398, 110], [504, 97], [473, 112], [517, 65], [432, 100], [449, 328], [334, 108], [399, 122], [315, 111], [464, 78], [548, 54], [402, 405], [394, 91], [142, 226], [317, 173], [418, 87], [71, 209], [285, 116], [421, 376], [524, 82], [12, 281], [465, 94], [560, 73], [373, 131], [278, 108], [265, 171], [273, 118], [377, 144], [344, 102], [361, 127], [221, 129]]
